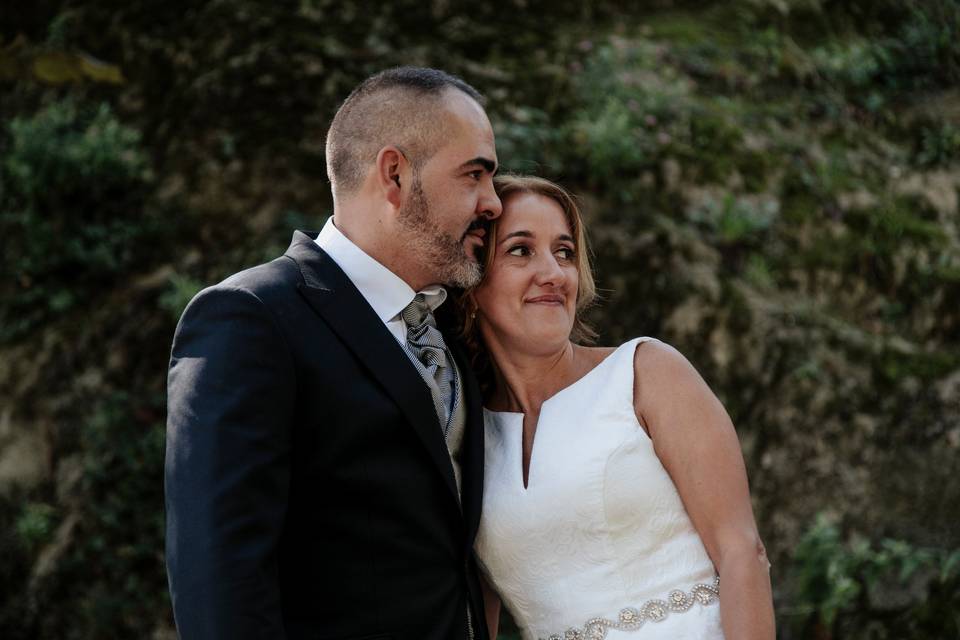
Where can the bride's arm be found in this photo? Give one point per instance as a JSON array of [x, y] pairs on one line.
[[696, 442], [491, 605]]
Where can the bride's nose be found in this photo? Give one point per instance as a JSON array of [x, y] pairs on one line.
[[548, 271]]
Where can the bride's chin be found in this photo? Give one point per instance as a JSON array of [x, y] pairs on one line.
[[543, 342], [525, 335]]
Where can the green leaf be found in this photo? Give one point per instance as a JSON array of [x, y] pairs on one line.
[[950, 566]]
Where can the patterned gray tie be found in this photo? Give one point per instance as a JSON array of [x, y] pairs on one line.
[[426, 344], [439, 371]]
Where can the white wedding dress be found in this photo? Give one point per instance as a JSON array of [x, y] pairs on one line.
[[598, 545]]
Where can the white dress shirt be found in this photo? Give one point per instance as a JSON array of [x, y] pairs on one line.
[[388, 294], [383, 290]]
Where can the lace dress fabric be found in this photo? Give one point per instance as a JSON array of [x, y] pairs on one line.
[[600, 531]]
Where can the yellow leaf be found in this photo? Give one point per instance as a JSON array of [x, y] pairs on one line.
[[100, 71], [57, 67]]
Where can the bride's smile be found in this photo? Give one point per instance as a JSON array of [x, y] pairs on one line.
[[529, 293]]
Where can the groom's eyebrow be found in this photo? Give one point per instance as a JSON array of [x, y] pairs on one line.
[[489, 165]]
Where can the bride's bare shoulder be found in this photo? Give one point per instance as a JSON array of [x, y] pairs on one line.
[[660, 357], [662, 373]]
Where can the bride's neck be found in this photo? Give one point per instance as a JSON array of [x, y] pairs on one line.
[[523, 380]]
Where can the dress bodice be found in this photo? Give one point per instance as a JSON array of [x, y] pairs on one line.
[[600, 533]]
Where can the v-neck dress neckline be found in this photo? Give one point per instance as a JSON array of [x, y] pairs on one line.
[[514, 418]]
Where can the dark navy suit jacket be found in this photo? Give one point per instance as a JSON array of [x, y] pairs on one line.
[[309, 491]]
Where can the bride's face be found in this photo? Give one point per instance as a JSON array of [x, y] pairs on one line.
[[529, 293]]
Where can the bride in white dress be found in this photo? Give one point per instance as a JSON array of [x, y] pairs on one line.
[[616, 503]]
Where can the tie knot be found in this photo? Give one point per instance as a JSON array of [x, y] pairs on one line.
[[417, 312]]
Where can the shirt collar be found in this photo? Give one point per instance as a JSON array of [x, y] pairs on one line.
[[383, 290]]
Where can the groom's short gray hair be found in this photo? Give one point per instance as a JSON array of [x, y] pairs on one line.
[[398, 106]]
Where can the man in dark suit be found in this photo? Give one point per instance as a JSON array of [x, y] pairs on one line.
[[324, 463]]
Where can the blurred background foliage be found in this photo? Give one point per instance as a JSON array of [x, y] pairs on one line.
[[771, 185]]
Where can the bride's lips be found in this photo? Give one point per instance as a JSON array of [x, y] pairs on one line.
[[550, 299]]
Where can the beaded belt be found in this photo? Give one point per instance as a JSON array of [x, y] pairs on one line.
[[631, 619]]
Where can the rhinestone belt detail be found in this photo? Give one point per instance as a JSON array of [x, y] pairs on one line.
[[631, 619]]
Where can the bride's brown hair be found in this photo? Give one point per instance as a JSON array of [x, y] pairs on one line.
[[508, 185]]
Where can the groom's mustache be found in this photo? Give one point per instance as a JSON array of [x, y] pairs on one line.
[[478, 224]]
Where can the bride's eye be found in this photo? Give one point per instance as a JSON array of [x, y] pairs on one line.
[[567, 253], [521, 251]]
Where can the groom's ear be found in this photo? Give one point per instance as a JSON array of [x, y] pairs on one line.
[[392, 166]]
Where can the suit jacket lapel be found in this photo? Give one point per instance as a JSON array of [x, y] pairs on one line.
[[331, 294], [473, 443], [472, 457]]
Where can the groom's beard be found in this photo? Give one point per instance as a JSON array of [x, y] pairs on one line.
[[442, 252]]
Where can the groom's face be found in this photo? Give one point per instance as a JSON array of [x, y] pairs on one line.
[[451, 195]]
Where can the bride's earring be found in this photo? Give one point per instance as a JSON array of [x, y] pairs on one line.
[[472, 304]]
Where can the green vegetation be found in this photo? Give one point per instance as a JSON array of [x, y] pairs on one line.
[[838, 585], [71, 211], [117, 551], [36, 525]]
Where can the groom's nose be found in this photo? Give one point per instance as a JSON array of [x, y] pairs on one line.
[[489, 205]]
